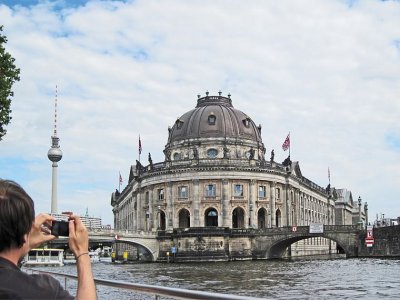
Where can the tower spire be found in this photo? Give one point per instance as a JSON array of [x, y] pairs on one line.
[[54, 154], [55, 113]]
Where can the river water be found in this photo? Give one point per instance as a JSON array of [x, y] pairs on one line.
[[269, 279]]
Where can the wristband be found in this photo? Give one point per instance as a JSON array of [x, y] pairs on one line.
[[81, 255]]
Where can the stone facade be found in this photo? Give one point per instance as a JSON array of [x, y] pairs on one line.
[[215, 174]]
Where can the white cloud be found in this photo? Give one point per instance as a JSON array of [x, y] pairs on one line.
[[325, 70]]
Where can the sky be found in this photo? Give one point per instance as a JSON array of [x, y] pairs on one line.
[[328, 72]]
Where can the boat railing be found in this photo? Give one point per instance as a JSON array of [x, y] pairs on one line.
[[153, 290]]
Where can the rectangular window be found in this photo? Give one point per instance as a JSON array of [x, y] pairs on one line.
[[146, 200], [238, 192], [183, 192], [261, 191], [278, 193], [210, 190], [161, 194]]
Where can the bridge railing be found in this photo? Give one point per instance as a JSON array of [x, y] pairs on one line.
[[153, 290], [113, 232]]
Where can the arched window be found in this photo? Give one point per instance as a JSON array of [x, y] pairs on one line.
[[177, 156], [211, 217], [238, 218], [184, 218], [261, 217], [161, 220], [278, 221]]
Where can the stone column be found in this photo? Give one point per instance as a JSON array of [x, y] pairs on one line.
[[139, 210], [252, 203], [151, 204], [195, 204], [272, 203], [286, 205], [225, 203], [170, 208]]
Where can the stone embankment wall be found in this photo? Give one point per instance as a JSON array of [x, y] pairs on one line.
[[386, 243]]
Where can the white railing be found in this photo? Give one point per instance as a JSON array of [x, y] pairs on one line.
[[156, 291]]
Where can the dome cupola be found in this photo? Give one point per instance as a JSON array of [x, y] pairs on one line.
[[216, 125]]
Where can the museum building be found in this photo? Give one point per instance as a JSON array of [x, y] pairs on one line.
[[215, 174]]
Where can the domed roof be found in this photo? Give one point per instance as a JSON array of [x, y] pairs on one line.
[[214, 117]]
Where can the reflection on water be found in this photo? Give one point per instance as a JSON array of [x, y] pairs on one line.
[[277, 279]]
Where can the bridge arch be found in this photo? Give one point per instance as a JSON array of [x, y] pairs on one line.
[[143, 250], [278, 248]]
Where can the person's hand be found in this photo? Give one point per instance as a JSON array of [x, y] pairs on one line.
[[40, 231], [78, 236]]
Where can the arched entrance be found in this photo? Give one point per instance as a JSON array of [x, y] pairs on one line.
[[261, 217], [161, 225], [211, 217], [278, 221], [238, 218], [184, 218]]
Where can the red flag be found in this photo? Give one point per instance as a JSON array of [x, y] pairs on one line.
[[286, 143], [140, 146]]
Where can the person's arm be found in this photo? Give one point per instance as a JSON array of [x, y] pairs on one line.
[[79, 245]]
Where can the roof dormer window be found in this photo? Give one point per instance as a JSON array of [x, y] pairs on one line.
[[179, 124], [246, 122], [211, 119]]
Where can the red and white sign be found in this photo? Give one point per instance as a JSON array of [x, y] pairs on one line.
[[369, 242], [116, 237], [294, 228]]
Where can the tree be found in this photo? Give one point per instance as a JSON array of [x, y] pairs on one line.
[[9, 73]]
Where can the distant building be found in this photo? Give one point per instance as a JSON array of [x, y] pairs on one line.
[[89, 222], [348, 210]]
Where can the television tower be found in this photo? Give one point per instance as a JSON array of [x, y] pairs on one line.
[[55, 155]]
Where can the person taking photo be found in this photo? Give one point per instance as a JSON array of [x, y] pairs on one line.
[[20, 231]]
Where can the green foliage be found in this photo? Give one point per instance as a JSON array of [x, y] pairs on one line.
[[8, 75]]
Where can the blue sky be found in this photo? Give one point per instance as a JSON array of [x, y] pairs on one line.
[[327, 71]]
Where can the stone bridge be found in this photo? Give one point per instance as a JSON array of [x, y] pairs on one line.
[[272, 242], [220, 243], [147, 242]]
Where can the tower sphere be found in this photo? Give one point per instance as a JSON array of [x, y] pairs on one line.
[[54, 154]]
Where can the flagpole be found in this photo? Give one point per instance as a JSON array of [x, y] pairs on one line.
[[329, 176], [289, 143]]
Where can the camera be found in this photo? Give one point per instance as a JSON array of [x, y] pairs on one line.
[[60, 228]]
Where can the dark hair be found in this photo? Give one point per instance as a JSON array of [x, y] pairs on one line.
[[17, 214]]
